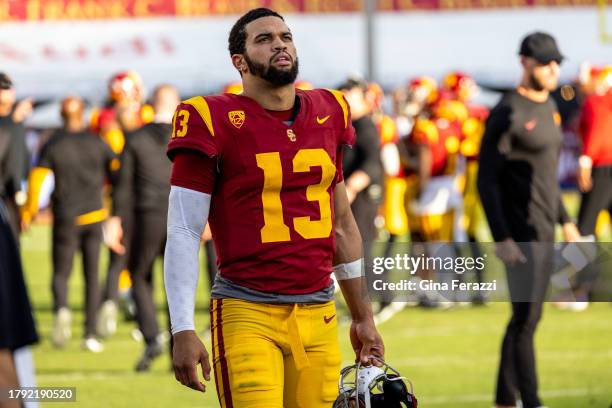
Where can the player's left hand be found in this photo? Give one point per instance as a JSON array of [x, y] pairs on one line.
[[367, 342], [571, 233]]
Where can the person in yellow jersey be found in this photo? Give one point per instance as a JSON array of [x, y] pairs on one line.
[[461, 89], [433, 168], [393, 210]]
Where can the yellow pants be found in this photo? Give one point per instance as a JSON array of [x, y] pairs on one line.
[[274, 356], [435, 227]]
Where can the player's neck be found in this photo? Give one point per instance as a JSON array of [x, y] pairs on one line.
[[74, 127], [533, 94], [271, 98], [5, 110]]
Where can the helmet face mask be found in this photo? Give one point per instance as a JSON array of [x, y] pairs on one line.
[[373, 387]]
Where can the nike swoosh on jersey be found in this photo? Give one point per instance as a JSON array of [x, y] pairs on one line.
[[321, 121], [328, 319]]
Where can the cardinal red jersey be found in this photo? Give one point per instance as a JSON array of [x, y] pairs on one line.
[[442, 137], [271, 211]]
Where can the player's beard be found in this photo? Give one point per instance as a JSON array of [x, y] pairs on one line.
[[535, 83], [270, 73]]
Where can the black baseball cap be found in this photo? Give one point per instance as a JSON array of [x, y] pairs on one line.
[[542, 47], [5, 81], [351, 83]]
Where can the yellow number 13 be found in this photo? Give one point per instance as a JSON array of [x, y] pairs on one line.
[[181, 118], [275, 229]]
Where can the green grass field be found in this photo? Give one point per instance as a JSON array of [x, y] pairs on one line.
[[451, 356]]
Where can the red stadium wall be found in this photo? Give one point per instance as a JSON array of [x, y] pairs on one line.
[[37, 10]]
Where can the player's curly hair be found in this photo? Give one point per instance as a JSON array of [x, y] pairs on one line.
[[237, 36]]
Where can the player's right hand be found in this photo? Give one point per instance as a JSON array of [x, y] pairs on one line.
[[585, 181], [112, 232], [189, 351], [509, 252]]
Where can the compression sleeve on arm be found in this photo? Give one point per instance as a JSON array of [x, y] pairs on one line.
[[187, 216]]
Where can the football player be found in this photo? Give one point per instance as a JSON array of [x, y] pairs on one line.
[[392, 209], [460, 88], [264, 168], [80, 161], [123, 114]]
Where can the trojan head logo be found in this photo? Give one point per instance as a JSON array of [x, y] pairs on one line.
[[237, 118], [291, 135]]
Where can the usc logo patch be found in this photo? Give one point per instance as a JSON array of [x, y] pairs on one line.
[[237, 118]]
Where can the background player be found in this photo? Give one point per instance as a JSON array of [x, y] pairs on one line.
[[142, 187], [80, 161]]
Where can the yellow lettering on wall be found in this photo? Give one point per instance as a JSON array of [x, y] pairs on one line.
[[74, 10], [33, 10], [4, 11], [284, 6], [141, 8]]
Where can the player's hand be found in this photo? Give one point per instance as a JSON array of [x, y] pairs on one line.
[[509, 252], [187, 353], [367, 343], [584, 176], [585, 181], [206, 234], [571, 233], [113, 234]]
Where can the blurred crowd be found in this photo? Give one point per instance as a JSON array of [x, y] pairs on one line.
[[411, 177]]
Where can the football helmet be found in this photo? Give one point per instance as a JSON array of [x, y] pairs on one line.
[[461, 85], [603, 80], [423, 88], [373, 387], [126, 86], [375, 95], [419, 95]]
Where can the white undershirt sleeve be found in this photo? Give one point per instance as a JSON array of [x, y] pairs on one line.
[[187, 216]]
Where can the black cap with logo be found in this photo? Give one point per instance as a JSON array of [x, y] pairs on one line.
[[542, 47]]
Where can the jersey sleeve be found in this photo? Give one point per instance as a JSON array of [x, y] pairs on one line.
[[339, 170], [346, 135], [194, 171], [493, 151], [192, 129], [345, 130]]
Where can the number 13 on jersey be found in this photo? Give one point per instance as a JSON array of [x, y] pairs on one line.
[[275, 229]]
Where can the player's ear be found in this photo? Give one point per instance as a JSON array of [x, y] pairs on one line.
[[524, 62], [239, 63]]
